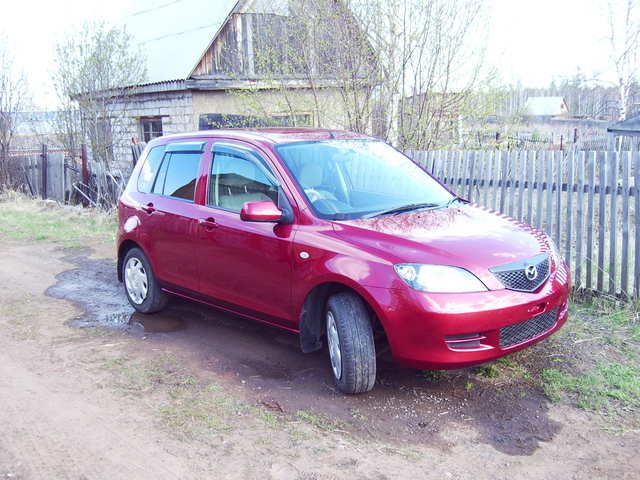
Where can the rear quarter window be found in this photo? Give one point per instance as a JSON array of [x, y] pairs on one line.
[[149, 169]]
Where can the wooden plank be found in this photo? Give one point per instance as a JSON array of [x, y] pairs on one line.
[[446, 168], [513, 162], [529, 185], [487, 160], [602, 182], [558, 225], [569, 210], [549, 222], [45, 167], [613, 217], [591, 179], [439, 166], [462, 175], [471, 171], [577, 276], [522, 178], [455, 172], [504, 172], [636, 246], [624, 267], [539, 191], [496, 172]]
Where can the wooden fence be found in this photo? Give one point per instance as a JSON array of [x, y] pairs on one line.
[[44, 173], [586, 201], [65, 176]]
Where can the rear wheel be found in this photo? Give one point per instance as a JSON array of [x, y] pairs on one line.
[[140, 285], [350, 340]]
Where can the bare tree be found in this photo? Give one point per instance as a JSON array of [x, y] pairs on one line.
[[400, 69], [624, 41], [13, 95], [95, 71]]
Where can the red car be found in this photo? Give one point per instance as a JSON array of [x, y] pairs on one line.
[[335, 235]]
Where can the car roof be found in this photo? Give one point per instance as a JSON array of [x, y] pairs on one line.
[[267, 135]]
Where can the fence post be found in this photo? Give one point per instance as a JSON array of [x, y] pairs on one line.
[[85, 168], [45, 161]]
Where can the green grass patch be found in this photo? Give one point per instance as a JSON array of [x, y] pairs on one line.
[[22, 218], [317, 420], [605, 387]]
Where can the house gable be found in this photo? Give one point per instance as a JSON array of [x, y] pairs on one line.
[[270, 40]]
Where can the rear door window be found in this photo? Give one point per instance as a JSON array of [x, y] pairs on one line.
[[149, 169], [181, 175]]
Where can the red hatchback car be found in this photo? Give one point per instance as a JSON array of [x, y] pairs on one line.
[[337, 235]]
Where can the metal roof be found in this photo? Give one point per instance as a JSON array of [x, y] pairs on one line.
[[174, 35], [628, 126], [545, 106]]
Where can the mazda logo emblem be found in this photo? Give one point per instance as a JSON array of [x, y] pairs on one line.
[[531, 272]]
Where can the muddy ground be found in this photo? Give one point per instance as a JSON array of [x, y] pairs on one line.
[[90, 390]]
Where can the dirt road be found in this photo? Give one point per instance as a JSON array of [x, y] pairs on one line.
[[89, 391]]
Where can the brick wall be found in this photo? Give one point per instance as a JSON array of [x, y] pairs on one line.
[[174, 108]]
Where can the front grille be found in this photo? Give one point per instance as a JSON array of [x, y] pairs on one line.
[[514, 275], [521, 332]]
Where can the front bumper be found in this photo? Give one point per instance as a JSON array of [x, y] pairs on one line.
[[448, 331]]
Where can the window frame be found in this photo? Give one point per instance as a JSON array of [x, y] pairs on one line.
[[150, 120], [250, 155], [170, 149]]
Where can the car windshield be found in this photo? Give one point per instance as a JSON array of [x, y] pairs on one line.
[[350, 179]]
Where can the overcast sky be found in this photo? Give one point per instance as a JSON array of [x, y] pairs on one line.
[[531, 41]]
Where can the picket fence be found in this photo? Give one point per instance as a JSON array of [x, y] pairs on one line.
[[586, 201]]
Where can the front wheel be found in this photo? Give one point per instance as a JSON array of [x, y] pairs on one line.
[[350, 340], [140, 285]]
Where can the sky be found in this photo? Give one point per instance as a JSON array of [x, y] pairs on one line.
[[529, 41]]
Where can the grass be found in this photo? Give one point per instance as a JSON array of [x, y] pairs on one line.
[[317, 420], [602, 372], [23, 218], [607, 387]]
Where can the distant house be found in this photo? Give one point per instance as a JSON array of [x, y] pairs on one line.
[[33, 129], [545, 108], [625, 134], [206, 69]]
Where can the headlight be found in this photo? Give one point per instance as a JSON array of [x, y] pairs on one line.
[[439, 278], [555, 251]]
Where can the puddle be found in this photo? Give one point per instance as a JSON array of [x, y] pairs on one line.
[[158, 322], [405, 406]]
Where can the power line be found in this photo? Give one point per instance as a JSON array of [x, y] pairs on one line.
[[152, 9], [175, 34]]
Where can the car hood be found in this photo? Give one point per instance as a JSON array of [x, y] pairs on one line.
[[464, 235]]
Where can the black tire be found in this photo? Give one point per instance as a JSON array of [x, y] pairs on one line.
[[155, 299], [357, 347]]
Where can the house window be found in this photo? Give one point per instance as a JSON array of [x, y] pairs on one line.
[[151, 128]]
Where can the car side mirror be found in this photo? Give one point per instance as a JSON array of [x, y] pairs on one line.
[[262, 211]]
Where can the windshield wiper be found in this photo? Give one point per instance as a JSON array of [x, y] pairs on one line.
[[402, 209], [455, 198]]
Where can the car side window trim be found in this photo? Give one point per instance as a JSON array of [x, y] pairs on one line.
[[185, 147], [248, 154], [161, 175], [145, 162]]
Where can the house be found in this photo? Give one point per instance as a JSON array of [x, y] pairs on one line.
[[33, 129], [625, 134], [231, 63], [545, 108]]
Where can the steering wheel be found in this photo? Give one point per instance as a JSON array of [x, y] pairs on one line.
[[315, 195]]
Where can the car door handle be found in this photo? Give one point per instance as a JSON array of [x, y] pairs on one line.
[[207, 223], [149, 208]]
